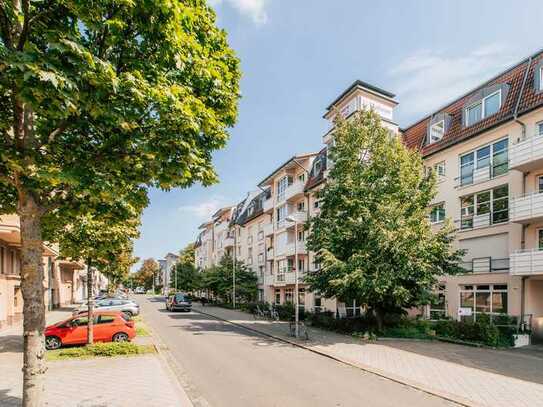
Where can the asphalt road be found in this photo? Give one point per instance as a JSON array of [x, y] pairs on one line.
[[220, 364]]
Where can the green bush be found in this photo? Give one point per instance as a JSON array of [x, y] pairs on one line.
[[485, 330], [327, 320], [108, 349]]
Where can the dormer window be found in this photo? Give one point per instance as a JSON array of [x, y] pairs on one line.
[[437, 131], [317, 167], [484, 108], [540, 77]]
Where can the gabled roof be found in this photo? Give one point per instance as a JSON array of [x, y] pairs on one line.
[[222, 211], [291, 160], [314, 178], [521, 98], [358, 84]]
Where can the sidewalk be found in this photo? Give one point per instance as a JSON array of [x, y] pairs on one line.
[[469, 376], [144, 380]]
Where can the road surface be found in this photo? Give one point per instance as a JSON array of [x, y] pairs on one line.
[[222, 365]]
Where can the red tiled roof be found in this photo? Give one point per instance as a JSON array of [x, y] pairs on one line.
[[415, 135]]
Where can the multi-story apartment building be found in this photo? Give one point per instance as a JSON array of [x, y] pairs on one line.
[[487, 150], [65, 281]]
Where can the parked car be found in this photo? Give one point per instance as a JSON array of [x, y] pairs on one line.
[[179, 301], [139, 290], [129, 307], [108, 327]]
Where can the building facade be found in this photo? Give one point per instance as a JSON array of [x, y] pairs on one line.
[[486, 148]]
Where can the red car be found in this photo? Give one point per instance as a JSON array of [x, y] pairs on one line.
[[108, 327]]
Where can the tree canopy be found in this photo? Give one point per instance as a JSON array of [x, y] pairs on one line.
[[373, 239], [218, 280], [185, 276], [145, 274]]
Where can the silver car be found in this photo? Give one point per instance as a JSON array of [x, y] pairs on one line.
[[113, 304]]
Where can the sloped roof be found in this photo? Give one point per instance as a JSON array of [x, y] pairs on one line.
[[521, 98], [287, 162], [315, 179]]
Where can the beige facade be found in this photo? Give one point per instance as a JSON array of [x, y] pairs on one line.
[[64, 281]]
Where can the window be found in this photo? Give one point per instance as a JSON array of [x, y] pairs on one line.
[[439, 168], [438, 309], [301, 177], [300, 206], [281, 213], [437, 213], [540, 239], [487, 107], [290, 265], [289, 295], [277, 296], [282, 186], [316, 204], [317, 167], [493, 155], [105, 319], [301, 297], [301, 264], [539, 129], [494, 202], [437, 131], [540, 184], [541, 78], [83, 321], [300, 236], [484, 299]]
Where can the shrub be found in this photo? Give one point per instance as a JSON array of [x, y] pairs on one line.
[[109, 349], [484, 331]]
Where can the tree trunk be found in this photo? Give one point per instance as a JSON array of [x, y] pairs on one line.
[[90, 303], [33, 300], [379, 317]]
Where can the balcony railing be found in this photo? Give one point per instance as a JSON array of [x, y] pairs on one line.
[[298, 216], [289, 278], [228, 242], [527, 153], [527, 262], [486, 265], [268, 229], [267, 205], [526, 208], [292, 248], [294, 189]]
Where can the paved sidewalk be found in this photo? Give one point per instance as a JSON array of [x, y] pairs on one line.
[[100, 382], [471, 376]]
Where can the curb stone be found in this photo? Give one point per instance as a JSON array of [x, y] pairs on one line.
[[398, 379]]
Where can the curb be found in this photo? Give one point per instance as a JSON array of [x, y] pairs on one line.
[[415, 385]]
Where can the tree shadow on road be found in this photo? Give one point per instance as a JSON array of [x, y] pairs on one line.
[[11, 344], [9, 401]]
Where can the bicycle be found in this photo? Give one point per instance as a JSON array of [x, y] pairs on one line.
[[259, 313], [274, 314], [302, 330]]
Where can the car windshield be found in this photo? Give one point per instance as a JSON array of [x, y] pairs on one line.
[[180, 297]]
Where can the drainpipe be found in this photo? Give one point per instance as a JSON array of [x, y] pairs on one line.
[[522, 300], [515, 115]]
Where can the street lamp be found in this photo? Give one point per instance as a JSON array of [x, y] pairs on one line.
[[296, 284]]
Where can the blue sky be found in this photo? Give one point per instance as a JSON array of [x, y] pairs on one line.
[[298, 55]]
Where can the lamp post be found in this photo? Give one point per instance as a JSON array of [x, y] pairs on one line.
[[296, 283]]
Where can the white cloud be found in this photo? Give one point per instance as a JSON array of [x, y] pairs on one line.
[[204, 209], [427, 79], [255, 9]]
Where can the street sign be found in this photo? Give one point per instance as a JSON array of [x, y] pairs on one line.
[[464, 312]]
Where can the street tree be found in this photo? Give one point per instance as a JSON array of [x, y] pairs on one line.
[[373, 240], [94, 97], [219, 278], [99, 240], [185, 275], [146, 273]]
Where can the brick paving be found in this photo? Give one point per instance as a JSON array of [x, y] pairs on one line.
[[473, 376], [100, 382]]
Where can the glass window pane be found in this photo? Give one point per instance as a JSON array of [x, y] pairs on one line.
[[482, 302], [483, 157], [466, 300], [474, 114], [540, 126], [540, 238], [501, 192], [499, 302], [492, 104]]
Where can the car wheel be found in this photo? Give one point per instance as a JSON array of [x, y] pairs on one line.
[[52, 343], [120, 337], [129, 313]]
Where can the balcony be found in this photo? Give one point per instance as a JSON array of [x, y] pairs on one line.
[[298, 217], [269, 279], [527, 262], [292, 248], [527, 155], [486, 265], [228, 242], [527, 208], [288, 278], [267, 205], [292, 191]]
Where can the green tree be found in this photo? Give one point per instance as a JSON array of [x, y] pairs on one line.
[[94, 97], [99, 241], [146, 273], [373, 239], [185, 275], [218, 280]]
